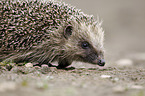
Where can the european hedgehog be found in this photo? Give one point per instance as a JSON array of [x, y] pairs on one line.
[[45, 31]]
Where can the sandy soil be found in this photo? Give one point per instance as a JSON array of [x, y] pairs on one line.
[[123, 75], [78, 82]]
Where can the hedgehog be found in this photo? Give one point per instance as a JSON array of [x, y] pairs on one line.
[[44, 31]]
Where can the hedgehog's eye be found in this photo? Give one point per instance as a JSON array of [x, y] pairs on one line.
[[85, 45]]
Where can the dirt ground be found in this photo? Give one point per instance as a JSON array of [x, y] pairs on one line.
[[123, 75]]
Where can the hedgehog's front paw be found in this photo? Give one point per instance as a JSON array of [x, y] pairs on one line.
[[63, 63]]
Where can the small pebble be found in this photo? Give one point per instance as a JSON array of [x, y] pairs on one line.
[[49, 77], [124, 62], [116, 79], [105, 76], [7, 86], [37, 67], [29, 65], [45, 69]]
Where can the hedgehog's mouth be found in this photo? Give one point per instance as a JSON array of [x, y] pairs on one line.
[[93, 60]]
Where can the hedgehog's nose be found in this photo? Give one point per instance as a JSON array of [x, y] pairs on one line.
[[101, 62]]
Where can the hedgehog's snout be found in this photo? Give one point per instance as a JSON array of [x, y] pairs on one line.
[[101, 62]]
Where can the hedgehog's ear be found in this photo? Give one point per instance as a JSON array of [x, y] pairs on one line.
[[68, 31]]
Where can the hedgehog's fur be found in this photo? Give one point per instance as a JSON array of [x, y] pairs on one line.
[[36, 31]]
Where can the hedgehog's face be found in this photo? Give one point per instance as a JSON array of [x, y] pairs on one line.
[[91, 54], [85, 44]]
